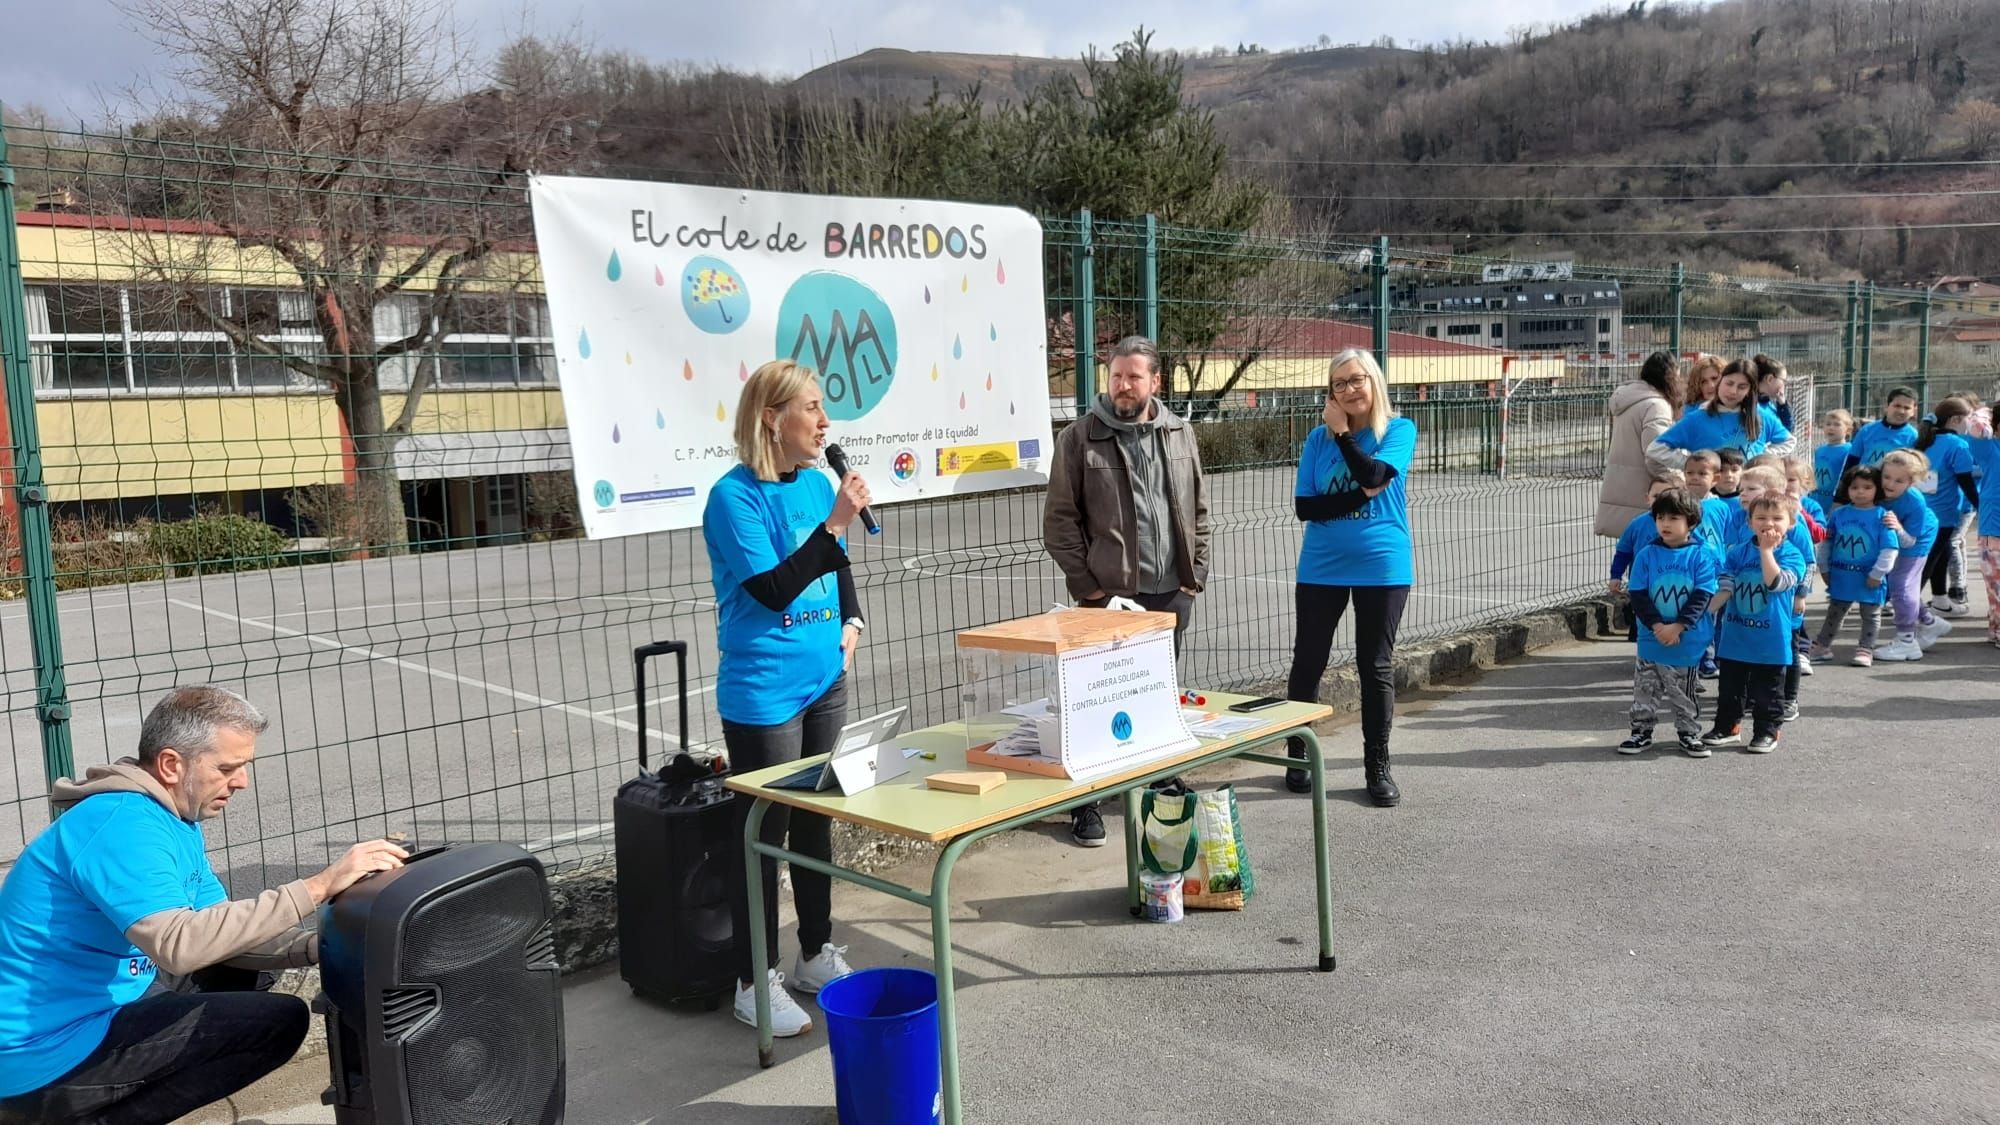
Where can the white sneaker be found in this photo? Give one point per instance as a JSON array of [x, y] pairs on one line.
[[1902, 648], [787, 1018], [810, 974], [1946, 606], [1805, 663], [1928, 634]]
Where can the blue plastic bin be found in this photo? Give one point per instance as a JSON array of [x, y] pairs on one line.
[[883, 1027]]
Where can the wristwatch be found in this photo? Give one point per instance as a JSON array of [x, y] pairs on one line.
[[860, 626]]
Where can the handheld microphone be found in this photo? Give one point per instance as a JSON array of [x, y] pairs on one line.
[[837, 461]]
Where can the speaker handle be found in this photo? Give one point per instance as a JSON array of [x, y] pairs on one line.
[[639, 657]]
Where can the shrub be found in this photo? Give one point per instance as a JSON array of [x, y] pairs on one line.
[[213, 543]]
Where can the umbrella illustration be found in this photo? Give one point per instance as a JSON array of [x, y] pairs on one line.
[[712, 287]]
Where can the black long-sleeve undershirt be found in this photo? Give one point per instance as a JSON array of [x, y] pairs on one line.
[[1970, 485], [1366, 471], [850, 600], [1314, 508], [781, 585]]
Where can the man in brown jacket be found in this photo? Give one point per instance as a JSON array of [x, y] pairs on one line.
[[1127, 508], [119, 888]]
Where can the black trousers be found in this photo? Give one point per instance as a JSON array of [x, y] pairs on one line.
[[1761, 686], [171, 1053], [1937, 566], [812, 731], [1378, 612]]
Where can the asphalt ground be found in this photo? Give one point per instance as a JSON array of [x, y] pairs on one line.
[[1544, 931]]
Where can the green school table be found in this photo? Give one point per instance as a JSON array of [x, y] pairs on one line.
[[958, 820]]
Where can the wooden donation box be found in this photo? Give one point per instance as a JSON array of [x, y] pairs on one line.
[[1092, 691]]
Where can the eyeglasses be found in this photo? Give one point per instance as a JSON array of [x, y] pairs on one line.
[[1342, 386]]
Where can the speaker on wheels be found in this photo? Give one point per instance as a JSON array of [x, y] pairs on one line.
[[675, 835], [442, 998]]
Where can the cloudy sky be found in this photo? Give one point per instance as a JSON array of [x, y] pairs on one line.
[[74, 58]]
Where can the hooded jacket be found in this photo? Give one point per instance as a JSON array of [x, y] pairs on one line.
[[1639, 414], [254, 933], [1092, 523]]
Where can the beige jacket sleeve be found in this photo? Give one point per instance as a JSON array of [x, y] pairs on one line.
[[253, 933]]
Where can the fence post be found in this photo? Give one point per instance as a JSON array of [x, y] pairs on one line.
[[1924, 350], [29, 496], [1680, 297], [1381, 270], [1867, 325], [1084, 312], [1151, 281], [1847, 343]]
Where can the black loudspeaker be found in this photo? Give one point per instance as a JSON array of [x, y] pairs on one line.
[[442, 998], [674, 836]]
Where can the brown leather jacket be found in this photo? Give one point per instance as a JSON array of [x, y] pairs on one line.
[[1088, 524]]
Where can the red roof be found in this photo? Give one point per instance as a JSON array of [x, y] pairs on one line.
[[1316, 337]]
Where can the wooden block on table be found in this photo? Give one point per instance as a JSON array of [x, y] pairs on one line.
[[966, 781]]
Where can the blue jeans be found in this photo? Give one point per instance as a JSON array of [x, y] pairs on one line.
[[171, 1053]]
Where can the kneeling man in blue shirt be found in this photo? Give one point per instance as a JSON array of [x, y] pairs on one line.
[[119, 888]]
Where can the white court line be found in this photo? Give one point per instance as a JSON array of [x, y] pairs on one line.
[[1421, 593], [590, 833], [624, 707], [524, 599], [425, 669]]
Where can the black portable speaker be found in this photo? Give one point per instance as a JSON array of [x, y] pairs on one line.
[[442, 998], [674, 831]]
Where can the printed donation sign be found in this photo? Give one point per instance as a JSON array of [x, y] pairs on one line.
[[924, 321], [1119, 706]]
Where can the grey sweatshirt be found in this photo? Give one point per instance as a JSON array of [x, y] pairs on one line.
[[1152, 508], [253, 933]]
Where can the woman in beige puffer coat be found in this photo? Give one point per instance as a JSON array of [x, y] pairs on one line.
[[1640, 411]]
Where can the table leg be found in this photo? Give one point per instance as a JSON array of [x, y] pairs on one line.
[[947, 1000], [1132, 851], [760, 954], [1322, 862]]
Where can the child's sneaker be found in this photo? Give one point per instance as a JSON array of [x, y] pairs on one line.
[[1642, 737], [1863, 658], [1762, 744], [1708, 669], [1902, 648], [1805, 664], [1718, 737], [1692, 746], [1790, 712], [787, 1018], [1818, 653], [1928, 632], [1952, 605]]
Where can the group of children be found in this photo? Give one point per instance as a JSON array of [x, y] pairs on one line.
[[1718, 570]]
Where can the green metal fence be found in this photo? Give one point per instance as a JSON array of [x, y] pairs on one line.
[[185, 449]]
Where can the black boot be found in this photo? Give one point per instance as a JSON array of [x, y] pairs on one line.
[[1297, 780], [1381, 787]]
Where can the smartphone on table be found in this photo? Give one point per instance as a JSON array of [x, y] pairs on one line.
[[1258, 704]]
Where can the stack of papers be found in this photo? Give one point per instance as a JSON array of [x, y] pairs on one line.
[[1215, 726]]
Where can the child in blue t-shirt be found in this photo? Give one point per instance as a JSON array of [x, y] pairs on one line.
[[1837, 428], [1640, 532], [1856, 557], [1755, 646], [1947, 488], [1895, 429], [1917, 628], [1985, 445], [1673, 579], [1731, 420]]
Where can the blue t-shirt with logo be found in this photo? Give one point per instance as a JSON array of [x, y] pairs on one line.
[[1878, 438], [1669, 575], [1757, 623], [1950, 455], [1855, 538], [1714, 522], [1702, 430], [1736, 531], [1913, 510], [1368, 547], [1828, 460], [1986, 456], [774, 662], [1637, 534], [65, 964]]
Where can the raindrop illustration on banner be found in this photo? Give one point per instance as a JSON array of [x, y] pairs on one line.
[[659, 276], [616, 437], [659, 419], [933, 372], [628, 359], [742, 372], [614, 271], [687, 370], [720, 413], [1010, 408], [965, 283], [989, 380], [1000, 273], [957, 347], [992, 331], [961, 400], [583, 343], [927, 294]]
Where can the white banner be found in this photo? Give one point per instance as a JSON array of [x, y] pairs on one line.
[[924, 320]]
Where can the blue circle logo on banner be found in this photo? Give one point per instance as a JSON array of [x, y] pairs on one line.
[[845, 331], [604, 494], [1121, 726]]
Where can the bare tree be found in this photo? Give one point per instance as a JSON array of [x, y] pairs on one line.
[[353, 151]]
